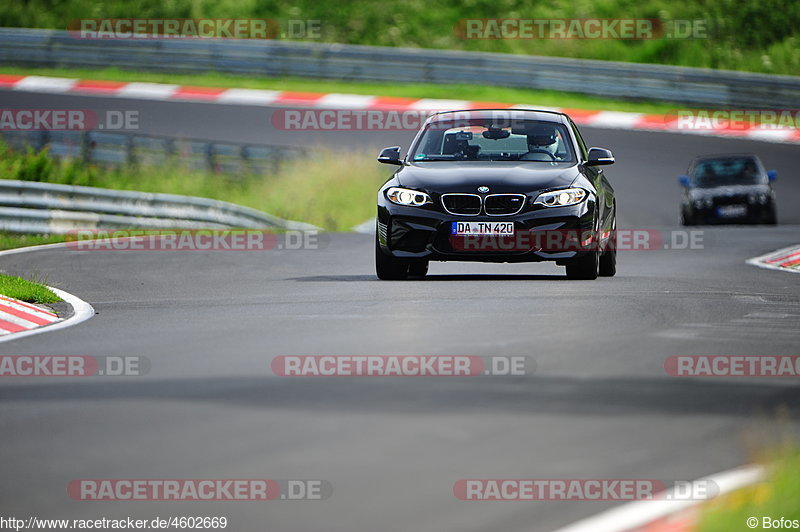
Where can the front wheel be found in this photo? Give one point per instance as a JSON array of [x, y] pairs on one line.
[[585, 268], [608, 263], [388, 268], [418, 268], [772, 218]]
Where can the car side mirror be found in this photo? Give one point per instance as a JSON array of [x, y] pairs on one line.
[[390, 156], [599, 157], [684, 180], [772, 175]]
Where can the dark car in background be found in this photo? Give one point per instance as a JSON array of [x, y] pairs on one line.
[[728, 189], [475, 185]]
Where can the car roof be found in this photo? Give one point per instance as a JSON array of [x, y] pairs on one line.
[[719, 156], [543, 115]]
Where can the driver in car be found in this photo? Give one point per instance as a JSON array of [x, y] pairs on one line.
[[543, 144]]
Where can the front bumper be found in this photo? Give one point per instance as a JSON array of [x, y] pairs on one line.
[[752, 212], [417, 233]]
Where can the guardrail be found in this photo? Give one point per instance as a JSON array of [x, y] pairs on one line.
[[683, 85], [33, 207], [126, 148]]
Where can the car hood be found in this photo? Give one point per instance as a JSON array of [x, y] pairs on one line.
[[729, 191], [499, 176]]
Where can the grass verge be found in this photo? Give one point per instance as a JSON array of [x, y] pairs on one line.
[[24, 290], [333, 190], [14, 240], [534, 98], [777, 498]]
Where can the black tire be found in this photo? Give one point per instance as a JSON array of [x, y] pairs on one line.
[[608, 263], [686, 219], [418, 268], [772, 218], [585, 268], [388, 268]]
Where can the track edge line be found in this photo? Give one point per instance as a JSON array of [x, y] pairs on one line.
[[636, 514], [82, 310]]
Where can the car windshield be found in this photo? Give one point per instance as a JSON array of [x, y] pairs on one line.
[[729, 171], [491, 140]]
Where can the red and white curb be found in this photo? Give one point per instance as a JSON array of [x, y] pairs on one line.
[[17, 316], [316, 100], [27, 319], [786, 259], [665, 515]]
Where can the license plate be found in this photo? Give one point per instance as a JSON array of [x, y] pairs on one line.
[[732, 211], [482, 228]]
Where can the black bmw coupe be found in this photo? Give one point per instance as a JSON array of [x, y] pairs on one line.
[[728, 189], [497, 186]]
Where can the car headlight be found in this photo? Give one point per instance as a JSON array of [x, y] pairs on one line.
[[561, 198], [405, 196]]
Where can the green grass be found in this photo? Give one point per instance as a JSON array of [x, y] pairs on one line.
[[534, 98], [333, 190], [29, 291], [778, 497], [754, 35], [13, 240]]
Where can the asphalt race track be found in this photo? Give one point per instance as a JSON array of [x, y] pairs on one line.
[[599, 404]]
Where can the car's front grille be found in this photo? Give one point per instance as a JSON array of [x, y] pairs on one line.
[[492, 205], [462, 204], [730, 200], [503, 204]]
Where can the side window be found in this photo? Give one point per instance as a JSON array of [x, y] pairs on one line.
[[581, 144]]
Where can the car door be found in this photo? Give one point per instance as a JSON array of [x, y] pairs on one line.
[[605, 192], [687, 190]]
